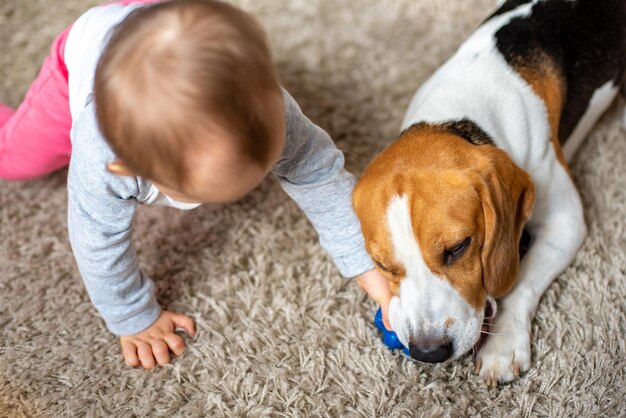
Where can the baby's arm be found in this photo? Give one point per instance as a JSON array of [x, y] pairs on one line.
[[100, 211], [311, 171]]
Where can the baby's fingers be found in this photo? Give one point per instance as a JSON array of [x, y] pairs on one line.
[[175, 343], [161, 352], [185, 322], [129, 351], [145, 355]]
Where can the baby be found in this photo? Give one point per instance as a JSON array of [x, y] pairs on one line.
[[177, 104]]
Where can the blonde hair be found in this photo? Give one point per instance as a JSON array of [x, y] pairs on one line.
[[171, 73]]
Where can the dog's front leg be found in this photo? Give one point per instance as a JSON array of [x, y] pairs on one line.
[[558, 229]]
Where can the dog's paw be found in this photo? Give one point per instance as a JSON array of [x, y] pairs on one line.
[[503, 357]]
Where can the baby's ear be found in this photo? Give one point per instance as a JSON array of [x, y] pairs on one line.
[[119, 168]]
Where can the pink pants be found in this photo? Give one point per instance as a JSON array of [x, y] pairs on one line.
[[35, 137]]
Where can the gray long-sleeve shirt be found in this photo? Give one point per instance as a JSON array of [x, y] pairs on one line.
[[102, 206]]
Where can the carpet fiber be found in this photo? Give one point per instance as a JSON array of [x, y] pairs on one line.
[[280, 332]]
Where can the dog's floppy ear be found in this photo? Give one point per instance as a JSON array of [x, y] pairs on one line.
[[508, 195]]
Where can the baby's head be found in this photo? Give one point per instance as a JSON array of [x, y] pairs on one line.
[[187, 96]]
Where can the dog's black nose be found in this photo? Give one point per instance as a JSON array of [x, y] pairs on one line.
[[431, 353]]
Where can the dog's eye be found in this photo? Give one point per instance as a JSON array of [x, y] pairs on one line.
[[450, 255]]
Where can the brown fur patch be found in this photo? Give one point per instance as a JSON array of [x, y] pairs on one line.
[[547, 82]]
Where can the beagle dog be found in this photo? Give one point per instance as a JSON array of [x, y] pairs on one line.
[[482, 158]]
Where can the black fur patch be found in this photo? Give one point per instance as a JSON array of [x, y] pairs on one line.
[[463, 128], [468, 130], [524, 243], [585, 38]]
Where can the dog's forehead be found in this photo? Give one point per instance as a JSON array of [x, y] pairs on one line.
[[441, 208], [443, 201], [420, 227], [437, 208]]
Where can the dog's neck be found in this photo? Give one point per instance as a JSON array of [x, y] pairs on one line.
[[478, 87]]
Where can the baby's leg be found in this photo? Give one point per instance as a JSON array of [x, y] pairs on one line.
[[35, 138]]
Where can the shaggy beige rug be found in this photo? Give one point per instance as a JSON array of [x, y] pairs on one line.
[[280, 332]]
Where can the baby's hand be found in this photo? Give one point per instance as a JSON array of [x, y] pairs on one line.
[[377, 287], [155, 343]]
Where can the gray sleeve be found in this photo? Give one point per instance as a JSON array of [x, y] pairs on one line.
[[311, 171], [101, 207]]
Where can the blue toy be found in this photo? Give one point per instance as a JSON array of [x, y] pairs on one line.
[[389, 337]]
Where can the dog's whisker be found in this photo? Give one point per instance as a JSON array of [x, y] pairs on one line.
[[500, 334], [494, 315]]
